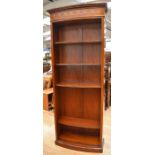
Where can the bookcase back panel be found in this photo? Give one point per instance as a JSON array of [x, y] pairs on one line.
[[80, 103], [91, 53], [75, 32], [91, 103], [91, 74], [79, 74], [70, 33], [70, 54], [91, 31], [73, 54], [70, 74], [71, 102], [79, 130]]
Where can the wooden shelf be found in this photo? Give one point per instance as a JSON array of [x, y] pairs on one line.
[[79, 138], [78, 85], [64, 64], [78, 66], [78, 122], [77, 42]]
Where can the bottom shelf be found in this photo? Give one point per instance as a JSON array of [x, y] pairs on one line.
[[79, 138], [80, 142]]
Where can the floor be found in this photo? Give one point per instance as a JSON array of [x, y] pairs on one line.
[[49, 137]]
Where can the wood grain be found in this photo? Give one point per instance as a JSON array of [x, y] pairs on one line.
[[50, 148], [78, 13], [78, 122], [78, 85], [78, 89], [79, 138]]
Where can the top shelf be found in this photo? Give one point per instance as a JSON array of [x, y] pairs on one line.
[[77, 42]]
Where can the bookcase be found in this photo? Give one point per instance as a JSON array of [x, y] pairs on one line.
[[77, 43]]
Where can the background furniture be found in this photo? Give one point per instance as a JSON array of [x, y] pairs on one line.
[[48, 81], [47, 99], [47, 92], [46, 62], [46, 67], [107, 81], [78, 73]]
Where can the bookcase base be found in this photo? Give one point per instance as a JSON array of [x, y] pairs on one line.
[[80, 147]]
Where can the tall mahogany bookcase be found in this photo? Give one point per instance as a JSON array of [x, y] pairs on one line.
[[77, 43]]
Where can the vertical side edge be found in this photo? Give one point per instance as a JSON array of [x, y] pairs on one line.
[[53, 75], [102, 79]]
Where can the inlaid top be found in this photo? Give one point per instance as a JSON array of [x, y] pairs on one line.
[[80, 11], [78, 6]]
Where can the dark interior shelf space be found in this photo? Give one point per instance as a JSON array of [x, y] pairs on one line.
[[80, 64], [79, 122], [77, 42], [79, 138], [78, 85]]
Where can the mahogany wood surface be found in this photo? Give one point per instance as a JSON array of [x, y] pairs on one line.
[[78, 42], [78, 122], [78, 70], [78, 85], [78, 64], [49, 147], [79, 138], [76, 12]]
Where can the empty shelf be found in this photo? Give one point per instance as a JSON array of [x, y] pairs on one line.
[[79, 122], [78, 85], [64, 64], [77, 42], [79, 138]]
